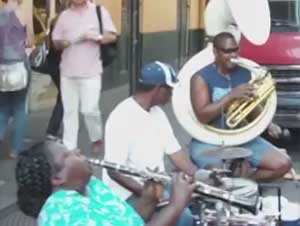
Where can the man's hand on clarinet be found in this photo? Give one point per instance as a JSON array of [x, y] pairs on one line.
[[182, 189]]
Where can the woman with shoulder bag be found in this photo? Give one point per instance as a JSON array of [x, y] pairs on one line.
[[14, 72]]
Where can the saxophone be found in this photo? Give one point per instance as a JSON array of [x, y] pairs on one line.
[[251, 205]]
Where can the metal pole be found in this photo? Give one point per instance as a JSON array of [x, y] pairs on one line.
[[135, 44], [183, 7]]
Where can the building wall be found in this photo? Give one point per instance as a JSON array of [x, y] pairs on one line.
[[115, 9], [196, 14], [161, 39], [164, 35]]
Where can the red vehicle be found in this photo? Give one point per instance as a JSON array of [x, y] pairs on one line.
[[281, 54]]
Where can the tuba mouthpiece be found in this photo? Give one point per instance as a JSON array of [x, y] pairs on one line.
[[236, 61], [243, 62]]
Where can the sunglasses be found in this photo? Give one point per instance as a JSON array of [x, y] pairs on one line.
[[229, 50]]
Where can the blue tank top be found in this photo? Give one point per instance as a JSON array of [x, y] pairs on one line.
[[12, 37], [219, 86]]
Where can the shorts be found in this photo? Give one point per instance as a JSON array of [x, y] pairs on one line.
[[258, 146]]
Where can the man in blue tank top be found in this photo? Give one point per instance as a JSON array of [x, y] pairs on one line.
[[212, 90]]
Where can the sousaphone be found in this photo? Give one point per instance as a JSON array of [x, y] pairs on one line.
[[235, 16]]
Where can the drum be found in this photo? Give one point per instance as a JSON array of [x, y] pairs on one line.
[[290, 212], [270, 205], [240, 186], [252, 220], [290, 215]]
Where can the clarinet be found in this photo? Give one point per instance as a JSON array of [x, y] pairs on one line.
[[251, 205]]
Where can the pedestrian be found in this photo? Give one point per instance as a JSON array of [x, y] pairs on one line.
[[14, 38], [52, 68], [77, 34]]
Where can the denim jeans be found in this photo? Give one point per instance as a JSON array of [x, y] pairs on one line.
[[12, 104], [258, 146]]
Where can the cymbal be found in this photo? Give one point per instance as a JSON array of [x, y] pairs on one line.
[[227, 153]]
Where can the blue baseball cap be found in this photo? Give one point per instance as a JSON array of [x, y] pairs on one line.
[[158, 73]]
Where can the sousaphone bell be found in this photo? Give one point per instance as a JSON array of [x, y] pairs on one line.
[[235, 16]]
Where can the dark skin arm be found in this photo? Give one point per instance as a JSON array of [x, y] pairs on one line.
[[146, 204], [201, 103], [183, 162], [181, 194], [144, 207], [167, 216], [200, 98], [126, 182]]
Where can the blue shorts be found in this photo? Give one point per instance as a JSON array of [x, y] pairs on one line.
[[258, 146]]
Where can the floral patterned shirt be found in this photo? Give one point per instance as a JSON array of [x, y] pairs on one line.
[[99, 208]]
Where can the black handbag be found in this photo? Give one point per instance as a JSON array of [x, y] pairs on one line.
[[108, 51]]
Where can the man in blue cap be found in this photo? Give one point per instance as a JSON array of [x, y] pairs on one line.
[[138, 134]]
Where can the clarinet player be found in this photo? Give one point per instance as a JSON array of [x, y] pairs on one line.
[[51, 178]]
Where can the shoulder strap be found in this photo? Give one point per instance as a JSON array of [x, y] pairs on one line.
[[98, 10]]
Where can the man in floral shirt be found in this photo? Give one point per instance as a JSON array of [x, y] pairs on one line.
[[57, 187]]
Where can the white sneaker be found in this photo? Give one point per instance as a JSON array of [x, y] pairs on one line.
[[51, 137]]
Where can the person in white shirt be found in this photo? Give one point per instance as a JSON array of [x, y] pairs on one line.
[[76, 33], [138, 134]]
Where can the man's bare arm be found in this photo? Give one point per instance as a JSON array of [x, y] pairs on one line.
[[183, 162], [181, 194], [126, 182], [145, 203], [204, 109], [200, 98], [144, 207]]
